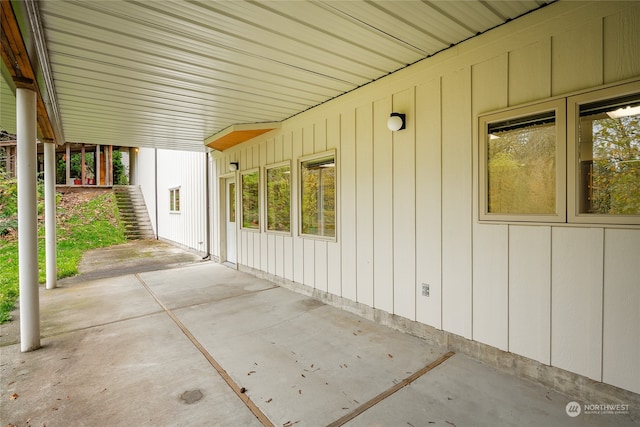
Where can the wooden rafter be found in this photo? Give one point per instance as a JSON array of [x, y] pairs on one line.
[[16, 59]]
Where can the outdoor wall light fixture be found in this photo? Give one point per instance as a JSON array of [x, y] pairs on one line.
[[233, 166], [396, 122]]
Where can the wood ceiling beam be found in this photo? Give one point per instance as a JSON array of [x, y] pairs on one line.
[[16, 59]]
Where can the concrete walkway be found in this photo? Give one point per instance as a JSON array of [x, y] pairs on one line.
[[205, 345]]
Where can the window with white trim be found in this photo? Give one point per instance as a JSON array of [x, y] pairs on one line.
[[318, 196], [174, 199], [522, 163], [250, 189], [524, 174], [605, 161], [278, 197]]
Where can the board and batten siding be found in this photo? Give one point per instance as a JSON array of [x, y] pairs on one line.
[[176, 169], [563, 295]]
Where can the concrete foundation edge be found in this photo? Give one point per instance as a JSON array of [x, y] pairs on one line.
[[574, 385]]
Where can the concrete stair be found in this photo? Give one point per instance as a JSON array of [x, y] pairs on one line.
[[133, 212]]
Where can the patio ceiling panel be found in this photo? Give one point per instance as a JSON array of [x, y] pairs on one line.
[[174, 73]]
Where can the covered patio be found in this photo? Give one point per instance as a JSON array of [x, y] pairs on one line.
[[197, 343]]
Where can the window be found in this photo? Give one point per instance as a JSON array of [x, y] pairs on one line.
[[251, 199], [232, 201], [605, 160], [174, 199], [278, 183], [522, 168], [318, 196]]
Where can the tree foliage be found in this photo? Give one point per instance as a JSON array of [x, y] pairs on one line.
[[279, 199], [318, 209], [251, 200], [119, 172], [614, 185], [522, 171]]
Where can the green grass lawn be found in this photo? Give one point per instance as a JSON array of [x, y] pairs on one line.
[[81, 225]]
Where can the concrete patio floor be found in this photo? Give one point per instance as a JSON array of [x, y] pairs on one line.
[[205, 345]]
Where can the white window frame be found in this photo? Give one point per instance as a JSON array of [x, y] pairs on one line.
[[240, 217], [573, 133], [305, 159], [266, 197], [173, 191], [484, 120]]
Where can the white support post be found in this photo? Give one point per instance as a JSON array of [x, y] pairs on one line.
[[83, 166], [97, 162], [50, 213], [68, 164], [28, 220], [133, 166]]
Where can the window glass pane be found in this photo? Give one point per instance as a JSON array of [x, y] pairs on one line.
[[318, 197], [171, 200], [609, 157], [177, 199], [232, 201], [250, 201], [279, 198], [521, 165]]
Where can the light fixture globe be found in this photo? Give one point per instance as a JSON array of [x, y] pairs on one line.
[[396, 122], [233, 166]]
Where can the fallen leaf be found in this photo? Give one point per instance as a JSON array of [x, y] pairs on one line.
[[243, 390], [390, 356], [299, 391], [303, 376], [269, 401], [449, 422], [14, 396], [251, 372]]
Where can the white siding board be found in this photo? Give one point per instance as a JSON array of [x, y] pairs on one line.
[[264, 249], [320, 279], [334, 253], [279, 256], [491, 285], [308, 138], [530, 292], [320, 136], [271, 253], [530, 72], [576, 58], [348, 205], [298, 260], [576, 296], [622, 45], [456, 203], [428, 203], [621, 345], [257, 250], [364, 203], [288, 258], [404, 209], [270, 151], [287, 243], [490, 242], [382, 207], [309, 256]]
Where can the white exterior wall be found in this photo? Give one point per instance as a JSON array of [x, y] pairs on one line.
[[561, 294], [146, 180], [176, 169]]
